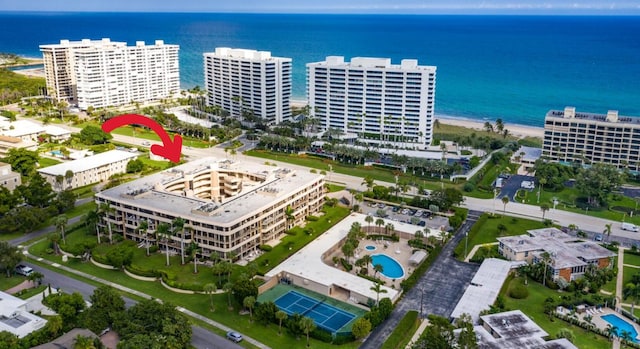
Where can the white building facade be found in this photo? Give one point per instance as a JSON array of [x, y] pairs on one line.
[[379, 103], [240, 80], [103, 73]]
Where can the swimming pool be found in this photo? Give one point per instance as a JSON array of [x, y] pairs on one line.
[[56, 153], [370, 248], [390, 267], [622, 325]]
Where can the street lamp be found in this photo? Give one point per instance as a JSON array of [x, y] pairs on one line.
[[421, 301], [466, 239]]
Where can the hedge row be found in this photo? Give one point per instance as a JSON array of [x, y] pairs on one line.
[[409, 282], [403, 332]]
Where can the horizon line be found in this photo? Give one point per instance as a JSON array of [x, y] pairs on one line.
[[635, 12]]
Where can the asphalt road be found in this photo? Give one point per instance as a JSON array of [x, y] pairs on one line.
[[436, 292], [201, 338]]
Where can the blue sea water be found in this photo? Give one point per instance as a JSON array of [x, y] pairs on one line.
[[510, 67]]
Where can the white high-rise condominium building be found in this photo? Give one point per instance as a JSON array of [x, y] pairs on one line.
[[249, 81], [378, 102], [103, 73]]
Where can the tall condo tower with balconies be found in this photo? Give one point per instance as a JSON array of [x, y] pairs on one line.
[[102, 73], [374, 101], [249, 82]]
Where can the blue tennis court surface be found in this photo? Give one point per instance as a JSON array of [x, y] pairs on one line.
[[324, 315]]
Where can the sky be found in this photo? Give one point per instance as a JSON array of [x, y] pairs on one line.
[[333, 6]]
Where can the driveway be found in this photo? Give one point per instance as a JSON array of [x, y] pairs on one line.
[[436, 292], [511, 186]]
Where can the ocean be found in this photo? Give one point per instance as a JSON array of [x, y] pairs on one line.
[[510, 67]]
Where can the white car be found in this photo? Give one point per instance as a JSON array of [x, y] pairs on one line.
[[23, 270]]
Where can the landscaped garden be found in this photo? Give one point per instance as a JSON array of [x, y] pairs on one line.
[[488, 228], [536, 301]]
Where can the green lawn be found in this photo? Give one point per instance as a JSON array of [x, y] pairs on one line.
[[610, 286], [290, 244], [628, 273], [198, 303], [334, 187], [46, 162], [28, 293], [532, 306], [632, 259], [6, 283], [486, 230]]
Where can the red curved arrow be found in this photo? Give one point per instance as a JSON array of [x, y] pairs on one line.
[[169, 149]]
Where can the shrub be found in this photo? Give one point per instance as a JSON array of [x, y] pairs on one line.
[[346, 264], [153, 249], [266, 247], [469, 187], [312, 218], [518, 291], [291, 232]]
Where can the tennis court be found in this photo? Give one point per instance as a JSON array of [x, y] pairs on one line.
[[324, 315]]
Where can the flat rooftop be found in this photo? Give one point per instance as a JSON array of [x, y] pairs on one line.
[[88, 163], [611, 116], [531, 154], [484, 288], [373, 63], [14, 319], [307, 263], [566, 250], [149, 192], [20, 128], [514, 329]]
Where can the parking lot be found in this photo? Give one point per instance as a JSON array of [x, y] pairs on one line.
[[419, 217], [511, 186]]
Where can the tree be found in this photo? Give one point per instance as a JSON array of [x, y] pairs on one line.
[[369, 220], [161, 321], [135, 166], [546, 259], [83, 342], [10, 257], [505, 201], [437, 335], [378, 268], [281, 316], [37, 192], [178, 226], [243, 288], [22, 160], [607, 230], [228, 288], [566, 333], [143, 225], [54, 325], [61, 224], [598, 181], [307, 326], [631, 290], [36, 277], [210, 289], [611, 331], [9, 340], [361, 328], [368, 182], [107, 306], [193, 250], [544, 207], [105, 210], [92, 135], [54, 238], [377, 288], [164, 232], [249, 302]]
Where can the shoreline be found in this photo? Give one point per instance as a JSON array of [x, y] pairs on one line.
[[516, 130]]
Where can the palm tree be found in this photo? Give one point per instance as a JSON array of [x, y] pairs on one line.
[[589, 320], [227, 288], [631, 290], [366, 259], [91, 220], [164, 232], [307, 326], [377, 288], [194, 248], [280, 316], [61, 223], [368, 182], [55, 241], [143, 225], [546, 259], [82, 342], [505, 201], [607, 230], [379, 223], [178, 226], [389, 227], [611, 331], [210, 289], [104, 210], [369, 220], [378, 268], [625, 336], [249, 302], [36, 277], [544, 208]]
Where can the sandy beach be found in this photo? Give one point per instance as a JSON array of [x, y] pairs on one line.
[[519, 131]]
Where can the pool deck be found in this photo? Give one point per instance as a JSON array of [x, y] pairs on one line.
[[602, 324], [309, 264]]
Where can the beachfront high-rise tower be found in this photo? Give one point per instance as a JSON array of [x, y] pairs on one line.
[[102, 73], [245, 82], [585, 138], [379, 103]]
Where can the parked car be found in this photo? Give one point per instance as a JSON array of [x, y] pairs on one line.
[[234, 336], [405, 211], [629, 227], [23, 270], [598, 237]]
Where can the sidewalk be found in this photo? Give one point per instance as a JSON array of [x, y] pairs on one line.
[[423, 324], [139, 294]]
